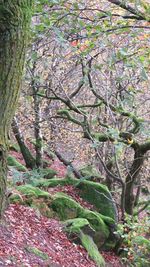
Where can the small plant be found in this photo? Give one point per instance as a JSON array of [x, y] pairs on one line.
[[135, 246]]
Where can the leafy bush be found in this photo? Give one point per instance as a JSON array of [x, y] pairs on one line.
[[136, 247]]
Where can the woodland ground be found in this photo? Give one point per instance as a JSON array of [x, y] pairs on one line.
[[28, 239]]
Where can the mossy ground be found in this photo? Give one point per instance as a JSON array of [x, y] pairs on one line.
[[16, 164], [91, 227]]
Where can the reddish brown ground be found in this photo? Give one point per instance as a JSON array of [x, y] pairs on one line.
[[24, 228]]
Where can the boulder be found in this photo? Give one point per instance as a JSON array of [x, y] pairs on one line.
[[67, 208], [82, 232], [98, 195], [89, 172], [34, 197]]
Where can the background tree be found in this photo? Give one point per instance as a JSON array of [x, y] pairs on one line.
[[92, 64], [14, 26]]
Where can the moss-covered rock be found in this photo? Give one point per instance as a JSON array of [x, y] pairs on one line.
[[73, 228], [33, 197], [29, 190], [92, 249], [76, 225], [97, 223], [98, 195], [43, 208], [82, 232], [54, 182], [11, 161], [67, 208], [89, 171], [95, 193]]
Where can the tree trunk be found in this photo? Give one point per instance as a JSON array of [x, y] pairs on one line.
[[28, 158], [37, 129], [14, 23], [131, 179]]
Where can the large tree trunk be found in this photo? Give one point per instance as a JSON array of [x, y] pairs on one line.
[[14, 24]]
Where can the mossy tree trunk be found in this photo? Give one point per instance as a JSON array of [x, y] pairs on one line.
[[131, 179], [14, 23], [28, 158], [37, 128], [37, 112]]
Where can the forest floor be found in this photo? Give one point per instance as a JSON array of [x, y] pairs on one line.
[[28, 239]]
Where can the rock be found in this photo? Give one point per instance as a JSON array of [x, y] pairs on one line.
[[74, 226], [98, 195], [81, 231], [89, 171], [54, 182], [35, 197], [67, 208], [29, 190], [92, 249]]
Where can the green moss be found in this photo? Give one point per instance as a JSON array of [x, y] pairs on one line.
[[16, 198], [54, 182], [47, 173], [109, 221], [43, 208], [76, 225], [67, 208], [82, 232], [96, 221], [13, 162], [14, 147], [92, 249], [98, 195], [37, 252], [29, 190], [89, 171]]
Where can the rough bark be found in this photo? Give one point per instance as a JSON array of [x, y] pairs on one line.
[[14, 23], [28, 158]]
